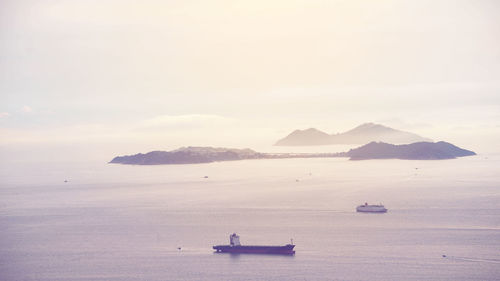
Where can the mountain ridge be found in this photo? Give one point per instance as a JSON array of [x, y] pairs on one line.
[[414, 151], [372, 150], [362, 134], [198, 155]]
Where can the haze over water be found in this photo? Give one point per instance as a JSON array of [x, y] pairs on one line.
[[118, 222], [84, 81]]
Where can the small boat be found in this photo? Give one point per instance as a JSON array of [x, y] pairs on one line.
[[371, 208], [235, 247]]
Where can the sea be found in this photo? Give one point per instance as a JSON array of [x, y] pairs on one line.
[[98, 221]]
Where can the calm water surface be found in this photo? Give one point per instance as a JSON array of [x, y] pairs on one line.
[[116, 222]]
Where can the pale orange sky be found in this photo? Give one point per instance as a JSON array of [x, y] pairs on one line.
[[158, 74]]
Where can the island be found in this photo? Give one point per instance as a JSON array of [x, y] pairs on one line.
[[373, 150], [194, 155], [362, 134], [414, 151]]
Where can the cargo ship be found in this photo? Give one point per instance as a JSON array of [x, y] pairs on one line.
[[235, 247], [371, 208]]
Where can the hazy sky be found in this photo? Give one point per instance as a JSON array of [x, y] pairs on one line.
[[130, 76]]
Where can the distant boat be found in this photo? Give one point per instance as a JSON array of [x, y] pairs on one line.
[[235, 247], [371, 208]]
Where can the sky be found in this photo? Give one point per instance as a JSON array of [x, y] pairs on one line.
[[93, 79]]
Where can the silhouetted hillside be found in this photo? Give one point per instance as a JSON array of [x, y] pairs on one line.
[[415, 151], [373, 150], [187, 155], [194, 155]]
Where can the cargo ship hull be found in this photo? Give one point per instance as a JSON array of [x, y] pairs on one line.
[[371, 208], [274, 250]]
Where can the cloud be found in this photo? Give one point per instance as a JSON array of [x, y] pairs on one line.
[[27, 109], [188, 121], [4, 114]]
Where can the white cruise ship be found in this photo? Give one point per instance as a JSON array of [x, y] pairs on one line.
[[371, 208]]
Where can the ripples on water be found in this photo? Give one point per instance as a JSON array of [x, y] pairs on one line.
[[114, 222]]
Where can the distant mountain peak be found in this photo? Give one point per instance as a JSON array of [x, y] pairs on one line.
[[363, 133], [371, 127], [309, 130], [310, 135], [368, 125]]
